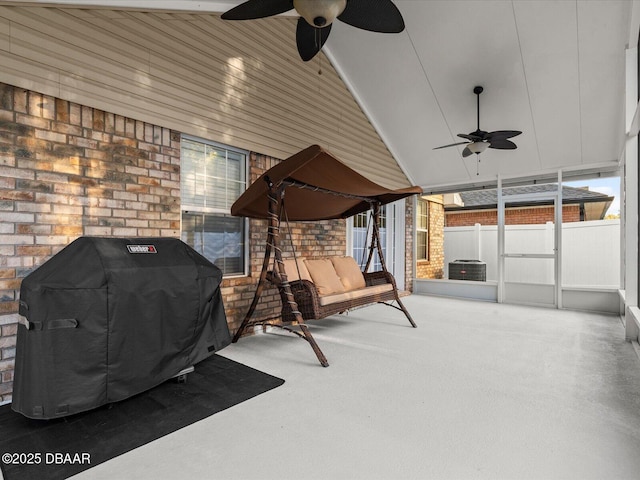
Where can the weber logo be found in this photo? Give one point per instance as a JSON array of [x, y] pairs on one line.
[[142, 249]]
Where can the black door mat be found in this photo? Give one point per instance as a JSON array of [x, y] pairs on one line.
[[60, 448]]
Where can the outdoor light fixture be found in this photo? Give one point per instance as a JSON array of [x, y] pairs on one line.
[[319, 13], [478, 147]]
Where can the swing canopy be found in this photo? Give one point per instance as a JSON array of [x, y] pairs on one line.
[[323, 188]]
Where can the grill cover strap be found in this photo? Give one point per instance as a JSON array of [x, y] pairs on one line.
[[62, 323]]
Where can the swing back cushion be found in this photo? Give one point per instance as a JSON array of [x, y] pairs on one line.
[[324, 276], [330, 275], [349, 272], [296, 270]]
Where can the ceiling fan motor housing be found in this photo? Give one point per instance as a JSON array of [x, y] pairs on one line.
[[319, 13]]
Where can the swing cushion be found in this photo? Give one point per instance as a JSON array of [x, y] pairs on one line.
[[292, 269], [324, 276], [355, 294], [349, 273]]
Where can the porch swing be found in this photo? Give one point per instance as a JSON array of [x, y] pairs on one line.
[[318, 187]]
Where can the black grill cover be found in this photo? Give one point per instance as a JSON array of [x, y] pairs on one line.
[[108, 318]]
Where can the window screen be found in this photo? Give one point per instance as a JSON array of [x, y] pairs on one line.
[[212, 178]]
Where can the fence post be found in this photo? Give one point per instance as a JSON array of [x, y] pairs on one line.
[[477, 242], [549, 243]]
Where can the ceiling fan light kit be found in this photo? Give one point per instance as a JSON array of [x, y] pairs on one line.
[[478, 147], [319, 13], [317, 16]]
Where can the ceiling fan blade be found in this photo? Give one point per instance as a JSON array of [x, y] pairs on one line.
[[310, 39], [466, 152], [451, 145], [473, 138], [502, 134], [253, 9], [373, 15], [502, 144]]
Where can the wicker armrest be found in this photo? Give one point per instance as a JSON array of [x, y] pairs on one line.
[[305, 295], [303, 289], [379, 278]]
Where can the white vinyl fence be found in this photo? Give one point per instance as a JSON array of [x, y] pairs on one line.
[[590, 252]]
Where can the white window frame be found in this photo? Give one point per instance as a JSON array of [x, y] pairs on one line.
[[419, 229], [394, 244], [221, 211]]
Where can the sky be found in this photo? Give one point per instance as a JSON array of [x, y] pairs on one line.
[[608, 186]]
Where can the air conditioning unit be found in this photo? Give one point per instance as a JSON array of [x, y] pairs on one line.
[[468, 270]]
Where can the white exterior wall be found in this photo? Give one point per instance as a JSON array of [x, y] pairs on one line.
[[630, 155]]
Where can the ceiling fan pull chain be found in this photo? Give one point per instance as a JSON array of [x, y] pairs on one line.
[[318, 44]]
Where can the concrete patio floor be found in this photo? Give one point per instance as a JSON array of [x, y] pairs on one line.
[[477, 391]]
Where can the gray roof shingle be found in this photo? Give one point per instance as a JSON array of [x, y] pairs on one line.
[[489, 198]]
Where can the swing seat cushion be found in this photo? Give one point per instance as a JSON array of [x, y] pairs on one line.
[[355, 294]]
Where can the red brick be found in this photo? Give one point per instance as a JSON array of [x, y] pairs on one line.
[[8, 341], [7, 272], [8, 330], [33, 250], [8, 307]]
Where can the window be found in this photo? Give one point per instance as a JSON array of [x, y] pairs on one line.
[[422, 230], [362, 233], [359, 235], [212, 178]]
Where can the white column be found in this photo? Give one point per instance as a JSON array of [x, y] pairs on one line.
[[558, 242], [500, 242], [477, 242], [632, 319]]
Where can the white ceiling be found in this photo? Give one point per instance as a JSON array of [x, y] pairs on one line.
[[554, 69]]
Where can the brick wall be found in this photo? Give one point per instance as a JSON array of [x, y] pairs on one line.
[[466, 218], [433, 267], [67, 170], [513, 216]]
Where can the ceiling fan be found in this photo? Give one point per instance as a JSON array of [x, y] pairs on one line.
[[478, 141], [316, 17]]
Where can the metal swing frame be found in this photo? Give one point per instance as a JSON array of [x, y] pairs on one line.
[[278, 277]]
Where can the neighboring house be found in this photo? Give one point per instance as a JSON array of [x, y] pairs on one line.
[[435, 212], [480, 206]]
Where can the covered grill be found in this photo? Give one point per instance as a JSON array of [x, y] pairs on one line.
[[107, 318]]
